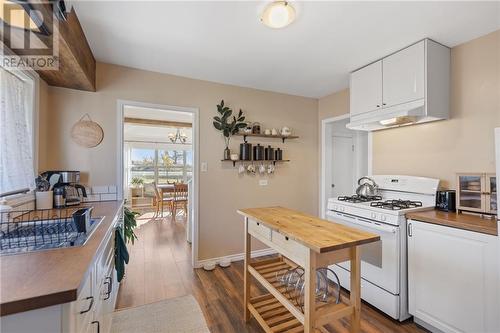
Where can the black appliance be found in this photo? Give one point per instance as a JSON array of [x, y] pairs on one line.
[[269, 153], [258, 152], [446, 200]]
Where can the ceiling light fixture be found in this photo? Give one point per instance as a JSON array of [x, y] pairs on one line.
[[178, 137], [278, 14]]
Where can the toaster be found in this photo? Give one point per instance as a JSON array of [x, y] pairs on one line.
[[446, 200]]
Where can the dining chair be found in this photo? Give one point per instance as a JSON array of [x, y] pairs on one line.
[[160, 200], [180, 198]]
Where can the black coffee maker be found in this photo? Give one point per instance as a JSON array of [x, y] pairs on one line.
[[68, 186]]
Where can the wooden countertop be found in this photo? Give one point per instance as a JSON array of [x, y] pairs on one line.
[[315, 233], [38, 279], [454, 220]]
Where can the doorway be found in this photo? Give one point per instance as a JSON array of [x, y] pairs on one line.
[[344, 159], [158, 155]]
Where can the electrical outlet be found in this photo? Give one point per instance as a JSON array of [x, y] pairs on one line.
[[204, 166], [263, 182]]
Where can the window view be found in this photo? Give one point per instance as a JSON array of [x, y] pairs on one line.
[[160, 166]]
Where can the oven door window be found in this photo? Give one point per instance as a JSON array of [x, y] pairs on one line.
[[380, 261]]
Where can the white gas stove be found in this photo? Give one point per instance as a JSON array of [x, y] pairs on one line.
[[383, 264]]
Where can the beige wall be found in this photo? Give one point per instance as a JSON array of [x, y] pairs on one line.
[[466, 141], [222, 190], [334, 105]]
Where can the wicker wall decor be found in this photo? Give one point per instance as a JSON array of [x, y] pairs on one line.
[[86, 132]]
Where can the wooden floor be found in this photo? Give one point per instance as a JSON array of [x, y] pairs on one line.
[[160, 268]]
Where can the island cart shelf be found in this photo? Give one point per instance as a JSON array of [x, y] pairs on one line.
[[309, 242]]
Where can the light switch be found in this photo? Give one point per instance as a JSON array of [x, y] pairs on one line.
[[263, 182], [204, 166]]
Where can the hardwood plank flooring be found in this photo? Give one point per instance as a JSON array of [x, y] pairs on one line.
[[160, 268]]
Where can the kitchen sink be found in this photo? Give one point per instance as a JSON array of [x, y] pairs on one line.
[[38, 235]]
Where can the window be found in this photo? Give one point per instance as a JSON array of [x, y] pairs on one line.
[[17, 131], [158, 165]]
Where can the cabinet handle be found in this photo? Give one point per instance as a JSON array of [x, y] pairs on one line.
[[409, 230], [91, 298], [109, 282], [98, 325], [384, 104], [258, 223], [286, 237], [378, 105]]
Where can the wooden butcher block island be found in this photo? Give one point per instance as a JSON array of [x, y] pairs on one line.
[[309, 242]]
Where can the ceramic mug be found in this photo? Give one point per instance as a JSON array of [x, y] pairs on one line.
[[234, 157], [267, 131], [286, 131], [270, 169], [241, 169], [251, 168], [274, 131], [262, 169]]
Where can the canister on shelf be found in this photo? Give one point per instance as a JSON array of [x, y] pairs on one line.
[[245, 151], [258, 152], [269, 153], [278, 154]]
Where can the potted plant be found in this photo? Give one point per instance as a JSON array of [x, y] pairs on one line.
[[228, 126], [129, 224], [137, 184]]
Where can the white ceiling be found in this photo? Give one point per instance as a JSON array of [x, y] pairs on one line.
[[225, 42]]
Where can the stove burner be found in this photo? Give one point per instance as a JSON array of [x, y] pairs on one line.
[[359, 198], [396, 204]]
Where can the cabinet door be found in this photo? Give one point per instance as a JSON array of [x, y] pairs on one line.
[[404, 75], [366, 89], [491, 194], [452, 278], [470, 192]]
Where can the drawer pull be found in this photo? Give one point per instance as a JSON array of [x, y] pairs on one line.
[[286, 237], [109, 282], [98, 325], [258, 223], [91, 298]]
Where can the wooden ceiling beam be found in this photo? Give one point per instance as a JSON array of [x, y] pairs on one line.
[[154, 122]]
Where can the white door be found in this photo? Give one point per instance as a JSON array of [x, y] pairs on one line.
[[342, 166], [452, 282], [404, 75], [366, 89]]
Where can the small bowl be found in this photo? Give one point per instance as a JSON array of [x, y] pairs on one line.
[[225, 262], [209, 266]]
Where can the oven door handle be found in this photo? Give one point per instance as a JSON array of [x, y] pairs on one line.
[[379, 227], [362, 222]]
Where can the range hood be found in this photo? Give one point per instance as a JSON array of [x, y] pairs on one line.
[[410, 113]]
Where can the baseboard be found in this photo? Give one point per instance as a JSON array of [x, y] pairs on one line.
[[235, 257]]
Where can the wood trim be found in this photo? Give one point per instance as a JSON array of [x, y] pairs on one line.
[[355, 296], [165, 123]]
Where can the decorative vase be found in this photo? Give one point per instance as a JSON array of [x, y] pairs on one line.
[[227, 154]]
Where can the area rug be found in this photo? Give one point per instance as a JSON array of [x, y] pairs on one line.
[[181, 314]]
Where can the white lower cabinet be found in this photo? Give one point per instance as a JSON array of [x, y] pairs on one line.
[[453, 278], [90, 313]]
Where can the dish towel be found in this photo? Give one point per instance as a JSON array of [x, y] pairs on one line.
[[121, 254]]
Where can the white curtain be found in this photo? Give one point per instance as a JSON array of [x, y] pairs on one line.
[[16, 141]]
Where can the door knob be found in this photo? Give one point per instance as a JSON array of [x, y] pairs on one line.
[[333, 185]]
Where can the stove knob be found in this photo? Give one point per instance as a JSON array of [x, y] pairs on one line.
[[374, 215], [335, 207], [383, 218]]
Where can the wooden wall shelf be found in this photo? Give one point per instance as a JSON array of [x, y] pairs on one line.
[[252, 161], [282, 137]]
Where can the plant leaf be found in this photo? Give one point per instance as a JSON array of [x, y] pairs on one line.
[[226, 132], [240, 113], [217, 118], [217, 126], [222, 103]]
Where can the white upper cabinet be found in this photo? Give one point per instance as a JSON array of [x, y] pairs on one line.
[[366, 88], [404, 76], [407, 87]]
